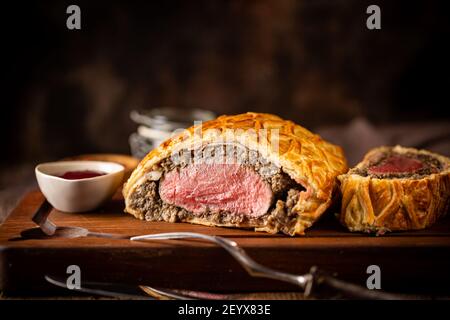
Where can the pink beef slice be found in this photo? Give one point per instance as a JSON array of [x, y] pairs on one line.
[[397, 164], [232, 188]]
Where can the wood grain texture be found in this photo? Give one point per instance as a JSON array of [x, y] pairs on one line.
[[410, 261]]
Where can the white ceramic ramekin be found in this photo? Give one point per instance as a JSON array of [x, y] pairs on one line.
[[82, 194]]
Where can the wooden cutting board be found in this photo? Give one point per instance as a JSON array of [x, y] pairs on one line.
[[409, 261]]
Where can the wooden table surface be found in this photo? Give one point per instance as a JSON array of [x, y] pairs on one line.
[[410, 261]]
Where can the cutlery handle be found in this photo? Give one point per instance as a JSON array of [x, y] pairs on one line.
[[41, 218], [107, 235], [325, 281]]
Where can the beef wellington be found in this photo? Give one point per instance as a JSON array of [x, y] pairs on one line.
[[395, 188], [250, 170]]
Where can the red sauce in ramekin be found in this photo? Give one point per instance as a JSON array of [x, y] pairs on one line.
[[77, 175]]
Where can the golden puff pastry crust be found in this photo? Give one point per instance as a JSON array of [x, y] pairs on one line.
[[377, 204], [304, 156]]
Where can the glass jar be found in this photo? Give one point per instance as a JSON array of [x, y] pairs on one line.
[[157, 125]]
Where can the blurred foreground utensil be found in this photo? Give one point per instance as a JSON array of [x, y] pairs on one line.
[[126, 291], [102, 289], [182, 294]]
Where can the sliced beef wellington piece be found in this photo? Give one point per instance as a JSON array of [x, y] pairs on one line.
[[248, 171], [395, 188]]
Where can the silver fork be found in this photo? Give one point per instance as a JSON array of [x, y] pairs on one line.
[[251, 266], [305, 281]]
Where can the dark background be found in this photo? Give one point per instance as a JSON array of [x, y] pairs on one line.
[[315, 62]]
